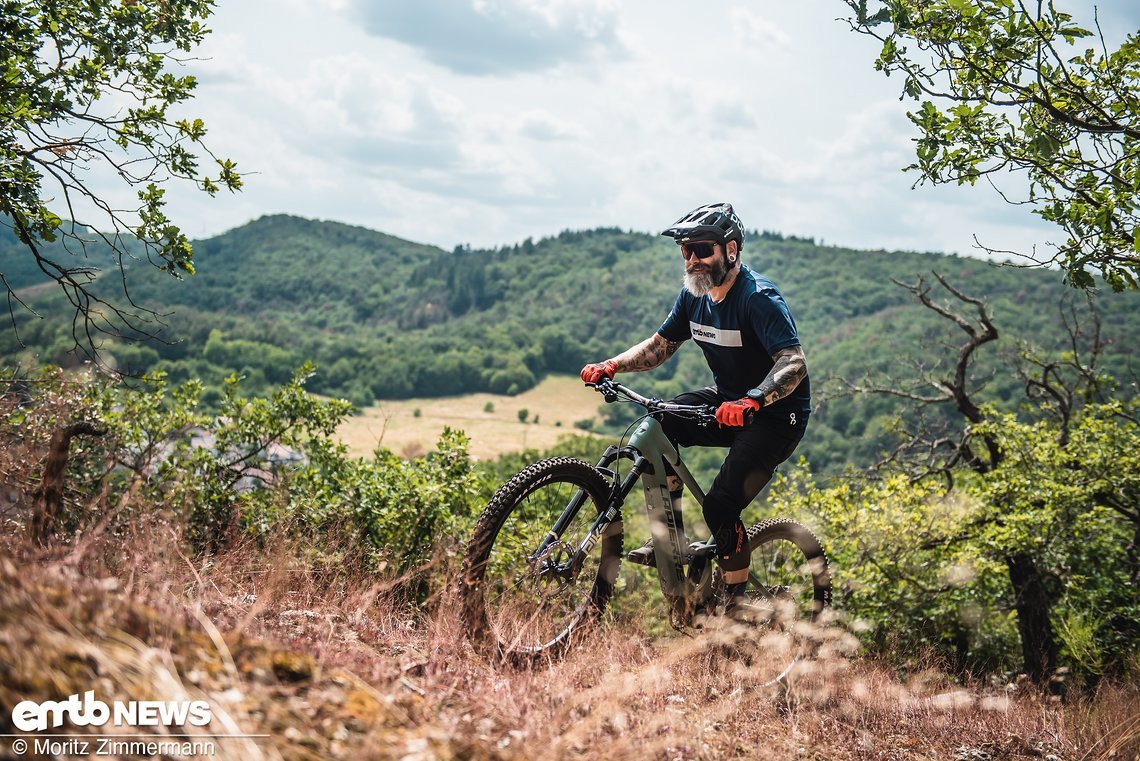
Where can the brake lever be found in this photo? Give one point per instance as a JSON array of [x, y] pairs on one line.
[[606, 389]]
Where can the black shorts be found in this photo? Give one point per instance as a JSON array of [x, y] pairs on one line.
[[754, 451]]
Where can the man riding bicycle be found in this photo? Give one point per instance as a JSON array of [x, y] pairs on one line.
[[743, 326]]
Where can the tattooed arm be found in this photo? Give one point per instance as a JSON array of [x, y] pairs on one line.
[[647, 355], [789, 369]]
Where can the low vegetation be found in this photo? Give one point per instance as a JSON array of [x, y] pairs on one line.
[[309, 600], [336, 664]]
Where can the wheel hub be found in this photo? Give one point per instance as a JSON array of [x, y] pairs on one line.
[[552, 570]]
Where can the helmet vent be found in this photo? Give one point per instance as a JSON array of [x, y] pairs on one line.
[[714, 221]]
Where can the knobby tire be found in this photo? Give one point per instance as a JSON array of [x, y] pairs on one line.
[[789, 582], [814, 558], [506, 612]]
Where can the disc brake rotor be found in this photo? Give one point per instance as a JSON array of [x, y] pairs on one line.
[[551, 570]]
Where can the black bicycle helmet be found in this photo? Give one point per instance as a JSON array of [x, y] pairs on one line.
[[714, 221]]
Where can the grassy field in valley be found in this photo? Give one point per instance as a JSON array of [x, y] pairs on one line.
[[411, 427]]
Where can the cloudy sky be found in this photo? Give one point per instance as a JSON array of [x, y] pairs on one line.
[[488, 121]]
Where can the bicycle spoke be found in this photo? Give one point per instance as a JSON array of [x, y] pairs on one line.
[[788, 583], [526, 587], [532, 601]]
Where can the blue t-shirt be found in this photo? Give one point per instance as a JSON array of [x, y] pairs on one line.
[[739, 335]]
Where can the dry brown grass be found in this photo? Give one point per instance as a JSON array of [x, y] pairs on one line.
[[558, 402], [329, 661], [332, 662]]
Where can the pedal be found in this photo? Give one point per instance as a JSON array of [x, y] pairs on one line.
[[702, 550], [642, 556]]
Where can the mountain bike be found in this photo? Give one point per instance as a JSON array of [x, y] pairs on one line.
[[544, 555]]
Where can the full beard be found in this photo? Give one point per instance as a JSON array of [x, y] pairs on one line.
[[701, 278]]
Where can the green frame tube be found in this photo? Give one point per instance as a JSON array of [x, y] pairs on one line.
[[669, 541]]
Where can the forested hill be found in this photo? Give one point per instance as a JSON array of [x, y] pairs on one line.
[[386, 318]]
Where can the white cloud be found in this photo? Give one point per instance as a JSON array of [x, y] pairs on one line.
[[734, 115], [542, 125], [755, 31], [585, 113], [487, 37]]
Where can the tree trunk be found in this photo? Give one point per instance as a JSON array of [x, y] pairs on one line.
[[1033, 603], [49, 495]]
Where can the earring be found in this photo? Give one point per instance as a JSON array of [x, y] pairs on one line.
[[732, 260]]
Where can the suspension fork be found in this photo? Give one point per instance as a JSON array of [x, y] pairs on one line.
[[618, 492]]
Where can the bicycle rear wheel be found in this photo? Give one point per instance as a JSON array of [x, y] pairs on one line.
[[522, 605], [788, 572], [789, 585]]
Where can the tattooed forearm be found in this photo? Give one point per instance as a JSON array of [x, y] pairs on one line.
[[789, 369], [647, 355]]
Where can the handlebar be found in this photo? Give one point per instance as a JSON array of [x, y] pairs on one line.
[[611, 391]]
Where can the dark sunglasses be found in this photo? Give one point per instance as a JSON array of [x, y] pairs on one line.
[[699, 250]]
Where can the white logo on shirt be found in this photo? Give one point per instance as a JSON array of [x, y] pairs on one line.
[[716, 336]]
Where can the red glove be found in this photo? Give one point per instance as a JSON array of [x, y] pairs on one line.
[[594, 373], [733, 413]]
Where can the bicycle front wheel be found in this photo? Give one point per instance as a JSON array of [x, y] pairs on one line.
[[523, 604]]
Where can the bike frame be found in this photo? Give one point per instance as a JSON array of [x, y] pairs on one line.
[[649, 449]]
